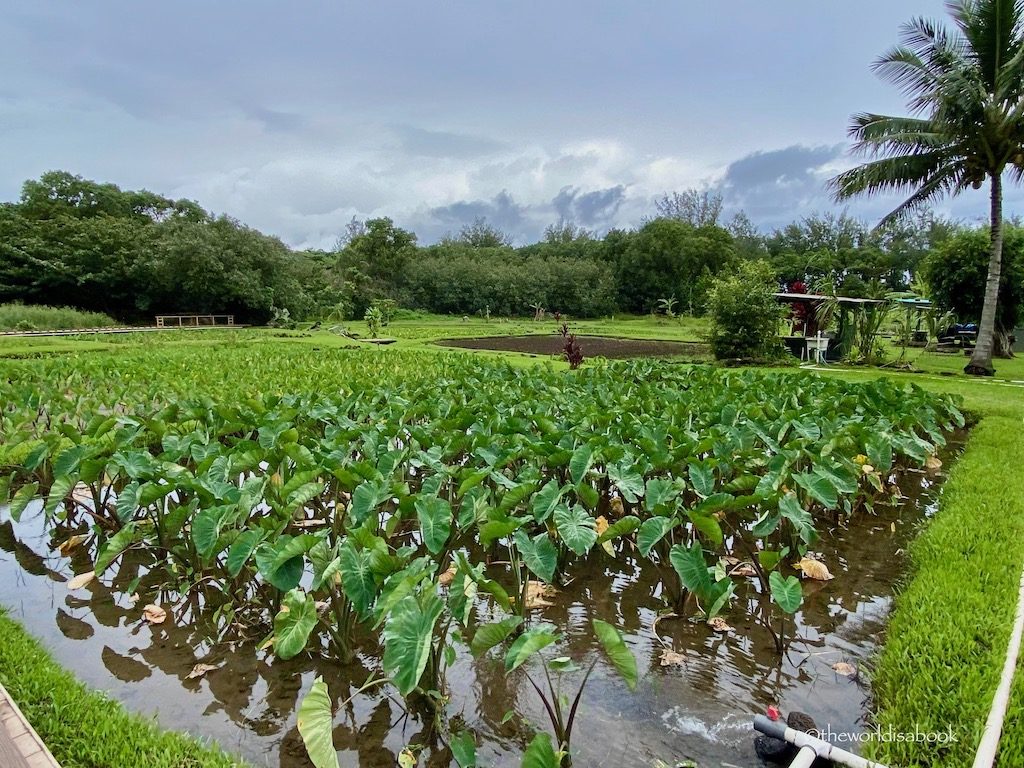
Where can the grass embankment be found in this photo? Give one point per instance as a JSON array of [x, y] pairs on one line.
[[22, 317], [948, 633], [84, 729]]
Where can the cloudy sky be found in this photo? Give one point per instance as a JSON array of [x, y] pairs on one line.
[[295, 117]]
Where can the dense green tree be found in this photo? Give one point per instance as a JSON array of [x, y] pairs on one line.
[[669, 257], [956, 272], [968, 88]]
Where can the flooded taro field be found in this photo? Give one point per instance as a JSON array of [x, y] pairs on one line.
[[699, 688]]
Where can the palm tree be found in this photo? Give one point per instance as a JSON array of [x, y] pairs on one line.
[[966, 92]]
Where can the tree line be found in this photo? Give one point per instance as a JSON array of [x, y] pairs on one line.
[[73, 242]]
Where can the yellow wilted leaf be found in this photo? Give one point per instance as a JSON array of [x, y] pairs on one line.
[[154, 614], [814, 569], [867, 469], [81, 580], [406, 759], [602, 524], [860, 458], [70, 543]]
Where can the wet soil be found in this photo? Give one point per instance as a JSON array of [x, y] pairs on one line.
[[698, 706], [592, 346]]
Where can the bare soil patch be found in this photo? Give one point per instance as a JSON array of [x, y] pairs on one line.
[[592, 346]]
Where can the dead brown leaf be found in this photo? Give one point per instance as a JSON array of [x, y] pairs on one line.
[[447, 577], [538, 595], [933, 463], [814, 569], [199, 670], [615, 507], [81, 580], [719, 624], [845, 669], [154, 614], [671, 658]]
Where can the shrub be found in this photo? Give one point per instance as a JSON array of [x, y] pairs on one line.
[[16, 316], [745, 315]]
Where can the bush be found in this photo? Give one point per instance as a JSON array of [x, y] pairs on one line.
[[21, 317], [745, 315]]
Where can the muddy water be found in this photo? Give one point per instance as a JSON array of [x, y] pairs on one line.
[[698, 707]]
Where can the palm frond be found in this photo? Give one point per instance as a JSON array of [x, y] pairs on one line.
[[925, 176]]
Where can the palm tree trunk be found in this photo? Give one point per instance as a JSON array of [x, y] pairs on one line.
[[981, 360]]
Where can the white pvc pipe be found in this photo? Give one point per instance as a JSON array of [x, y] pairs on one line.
[[804, 741], [986, 754], [804, 759]]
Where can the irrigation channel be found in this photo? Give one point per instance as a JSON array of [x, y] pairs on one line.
[[698, 694]]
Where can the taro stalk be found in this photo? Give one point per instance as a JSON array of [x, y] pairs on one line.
[[560, 711]]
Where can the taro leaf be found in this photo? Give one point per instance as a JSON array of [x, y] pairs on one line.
[[660, 491], [769, 558], [786, 591], [365, 499], [652, 531], [540, 753], [493, 530], [622, 527], [36, 457], [576, 528], [842, 480], [356, 577], [545, 501], [316, 726], [435, 515], [515, 495], [789, 507], [689, 563], [69, 460], [707, 525], [767, 523], [580, 463], [718, 596], [615, 646], [128, 501], [241, 550], [113, 547], [293, 623], [206, 530], [407, 637], [702, 479], [629, 482], [528, 644], [818, 487], [538, 553], [490, 635], [588, 495], [463, 747], [284, 575], [58, 492], [879, 451]]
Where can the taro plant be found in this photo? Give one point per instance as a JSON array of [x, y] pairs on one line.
[[560, 710]]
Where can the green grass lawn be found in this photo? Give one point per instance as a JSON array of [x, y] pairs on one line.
[[951, 621], [85, 729]]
